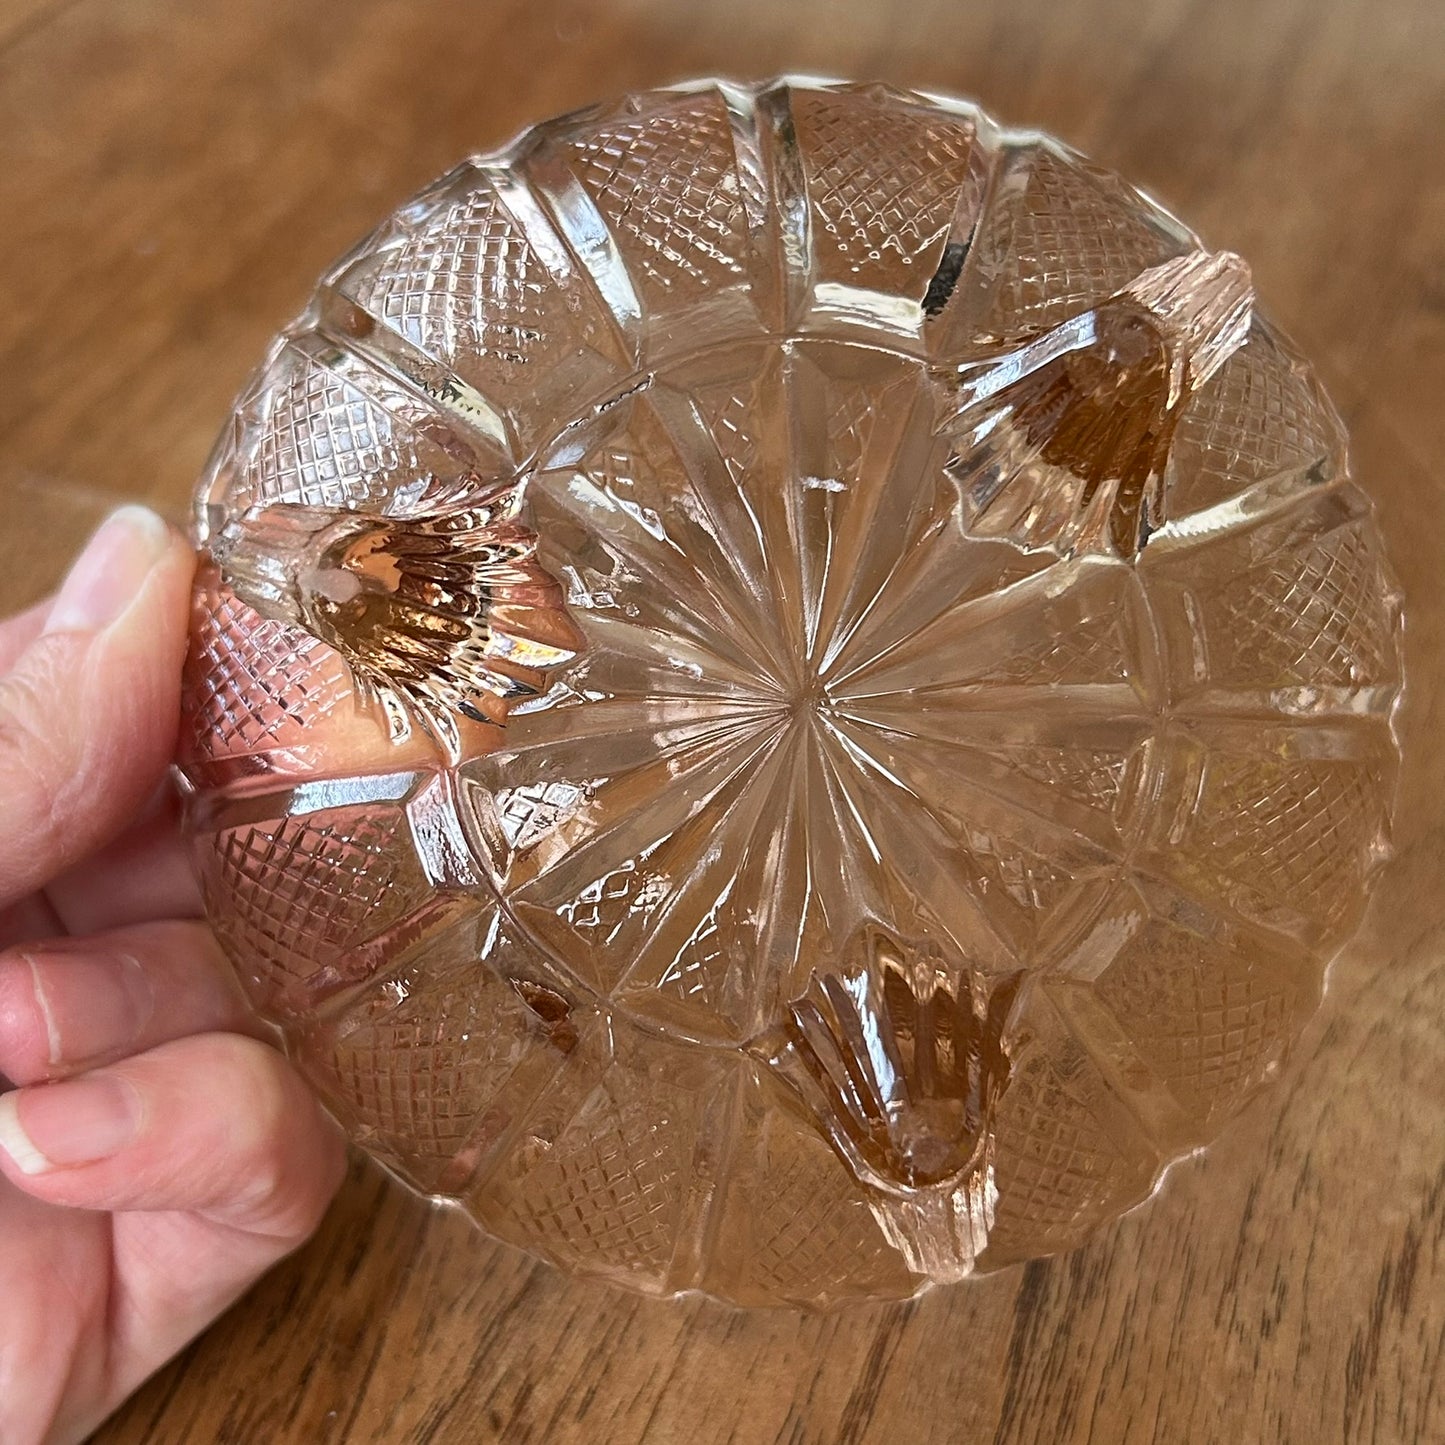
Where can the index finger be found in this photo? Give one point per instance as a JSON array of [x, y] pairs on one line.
[[88, 711]]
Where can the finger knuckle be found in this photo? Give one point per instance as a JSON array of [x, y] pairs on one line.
[[192, 939], [281, 1191], [25, 1046], [36, 745]]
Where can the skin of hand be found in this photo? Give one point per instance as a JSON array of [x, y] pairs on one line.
[[156, 1154]]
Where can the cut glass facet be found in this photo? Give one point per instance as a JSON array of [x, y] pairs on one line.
[[791, 692]]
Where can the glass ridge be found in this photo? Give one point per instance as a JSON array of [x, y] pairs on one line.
[[790, 693]]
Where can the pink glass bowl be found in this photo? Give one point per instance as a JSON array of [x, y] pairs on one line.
[[791, 692]]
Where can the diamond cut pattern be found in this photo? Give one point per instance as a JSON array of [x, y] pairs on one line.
[[1058, 1169], [300, 892], [667, 184], [1208, 1019], [253, 685], [1030, 879], [418, 1082], [607, 1190], [693, 974], [1091, 654], [849, 427], [1299, 834], [811, 1223], [1062, 235], [1260, 415], [423, 1062], [533, 810], [1317, 617], [790, 1216], [883, 183], [1092, 777], [601, 908], [731, 415], [467, 286], [324, 444]]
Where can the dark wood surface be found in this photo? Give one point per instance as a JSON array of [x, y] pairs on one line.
[[172, 179]]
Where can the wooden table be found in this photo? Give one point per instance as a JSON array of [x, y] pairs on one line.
[[175, 176]]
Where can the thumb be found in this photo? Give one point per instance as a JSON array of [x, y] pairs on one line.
[[88, 710]]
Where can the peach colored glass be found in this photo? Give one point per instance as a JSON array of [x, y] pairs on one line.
[[791, 695]]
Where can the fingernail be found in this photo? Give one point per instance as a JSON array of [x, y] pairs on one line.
[[93, 1004], [105, 578], [57, 1126]]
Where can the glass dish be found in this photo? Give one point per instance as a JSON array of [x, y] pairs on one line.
[[791, 692]]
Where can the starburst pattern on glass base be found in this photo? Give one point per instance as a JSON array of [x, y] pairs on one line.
[[890, 685]]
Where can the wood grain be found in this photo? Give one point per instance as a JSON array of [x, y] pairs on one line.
[[173, 179]]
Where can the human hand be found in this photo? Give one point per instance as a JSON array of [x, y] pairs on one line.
[[155, 1155]]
